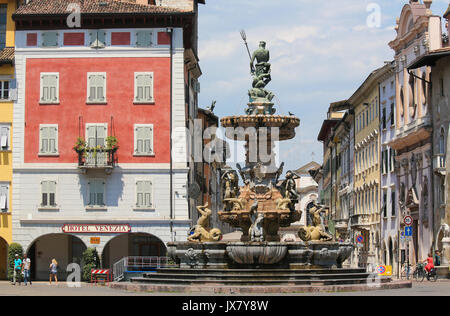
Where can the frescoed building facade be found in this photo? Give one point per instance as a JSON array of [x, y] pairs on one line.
[[100, 155], [8, 94]]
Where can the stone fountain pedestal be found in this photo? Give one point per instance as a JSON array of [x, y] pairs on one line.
[[273, 255]]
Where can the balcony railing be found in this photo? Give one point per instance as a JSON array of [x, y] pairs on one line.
[[96, 159], [439, 163]]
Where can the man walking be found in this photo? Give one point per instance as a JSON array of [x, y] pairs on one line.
[[17, 269], [26, 266]]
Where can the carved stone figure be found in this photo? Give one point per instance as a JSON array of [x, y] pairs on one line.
[[202, 233], [256, 231], [230, 187], [283, 204], [236, 204]]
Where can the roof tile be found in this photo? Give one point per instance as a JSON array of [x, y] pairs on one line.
[[47, 7]]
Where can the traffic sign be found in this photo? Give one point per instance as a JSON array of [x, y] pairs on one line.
[[408, 220], [381, 269], [360, 239], [408, 231]]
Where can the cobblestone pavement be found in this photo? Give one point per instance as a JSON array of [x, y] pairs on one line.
[[440, 288]]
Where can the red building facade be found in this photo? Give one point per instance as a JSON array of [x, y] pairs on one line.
[[100, 112]]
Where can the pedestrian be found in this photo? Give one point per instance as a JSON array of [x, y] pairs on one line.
[[17, 275], [437, 258], [26, 267], [54, 271]]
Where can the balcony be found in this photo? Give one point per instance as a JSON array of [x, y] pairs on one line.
[[439, 164], [98, 157], [360, 220]]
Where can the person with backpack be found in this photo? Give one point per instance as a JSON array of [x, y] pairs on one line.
[[17, 270]]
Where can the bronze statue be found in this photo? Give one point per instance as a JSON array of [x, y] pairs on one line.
[[317, 231], [202, 233]]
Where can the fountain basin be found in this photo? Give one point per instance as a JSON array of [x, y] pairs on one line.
[[257, 252]]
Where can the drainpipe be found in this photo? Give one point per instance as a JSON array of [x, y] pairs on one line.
[[170, 31]]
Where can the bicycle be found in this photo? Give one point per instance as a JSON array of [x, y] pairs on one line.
[[406, 272], [420, 273]]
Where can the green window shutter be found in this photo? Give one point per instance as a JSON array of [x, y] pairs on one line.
[[97, 84], [139, 140], [101, 135], [144, 38], [4, 137], [92, 136], [148, 142], [148, 193], [140, 194], [49, 88], [144, 87], [144, 140], [3, 197], [144, 194], [96, 192], [44, 140], [53, 139], [50, 39]]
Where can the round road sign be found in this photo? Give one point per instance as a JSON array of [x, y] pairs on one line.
[[360, 239], [408, 220]]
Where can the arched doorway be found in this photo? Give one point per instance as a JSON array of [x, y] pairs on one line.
[[3, 259], [64, 248], [132, 244]]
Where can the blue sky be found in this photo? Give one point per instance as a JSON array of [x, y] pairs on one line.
[[321, 51]]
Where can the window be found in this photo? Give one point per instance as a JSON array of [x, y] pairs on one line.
[[4, 90], [3, 20], [392, 118], [143, 87], [144, 194], [49, 88], [48, 139], [144, 39], [393, 203], [384, 119], [48, 189], [96, 192], [96, 88], [97, 39], [4, 197], [4, 137], [49, 39], [143, 139], [385, 205], [96, 135]]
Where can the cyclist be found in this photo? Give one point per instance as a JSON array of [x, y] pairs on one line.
[[430, 263]]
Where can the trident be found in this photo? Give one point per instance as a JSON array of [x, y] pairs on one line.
[[244, 37]]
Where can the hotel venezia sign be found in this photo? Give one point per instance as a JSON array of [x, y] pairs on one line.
[[96, 228]]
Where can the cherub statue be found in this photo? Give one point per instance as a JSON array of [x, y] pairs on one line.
[[202, 233]]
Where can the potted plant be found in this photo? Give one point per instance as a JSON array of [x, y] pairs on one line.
[[112, 143], [80, 145]]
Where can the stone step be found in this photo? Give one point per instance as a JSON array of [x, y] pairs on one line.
[[257, 272], [171, 281], [251, 276]]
